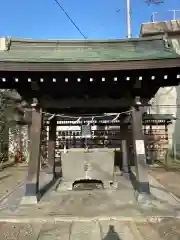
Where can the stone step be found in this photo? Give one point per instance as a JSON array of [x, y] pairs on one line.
[[147, 231], [55, 231], [116, 230], [85, 230]]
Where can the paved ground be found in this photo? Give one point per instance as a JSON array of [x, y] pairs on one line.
[[91, 215], [170, 179], [10, 178], [167, 229], [98, 204]]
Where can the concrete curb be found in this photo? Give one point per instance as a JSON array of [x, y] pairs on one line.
[[51, 219]]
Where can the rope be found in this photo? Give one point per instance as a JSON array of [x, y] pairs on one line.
[[79, 118], [51, 117]]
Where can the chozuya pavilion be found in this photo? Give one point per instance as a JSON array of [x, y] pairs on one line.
[[99, 90]]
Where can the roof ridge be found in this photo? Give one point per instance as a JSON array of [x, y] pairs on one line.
[[29, 50], [31, 40]]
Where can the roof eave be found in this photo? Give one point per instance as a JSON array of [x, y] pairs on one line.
[[89, 66]]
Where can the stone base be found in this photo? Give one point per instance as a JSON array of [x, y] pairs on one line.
[[110, 184], [143, 198], [50, 171], [126, 175], [114, 185], [30, 200], [68, 186], [49, 177], [65, 186]]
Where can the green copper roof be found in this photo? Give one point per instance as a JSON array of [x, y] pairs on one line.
[[25, 50]]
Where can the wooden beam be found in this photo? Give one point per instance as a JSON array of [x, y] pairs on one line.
[[35, 86], [51, 147], [86, 103], [32, 184], [88, 66], [124, 146], [139, 150], [160, 116]]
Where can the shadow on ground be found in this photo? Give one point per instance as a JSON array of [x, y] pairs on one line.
[[112, 234], [48, 185]]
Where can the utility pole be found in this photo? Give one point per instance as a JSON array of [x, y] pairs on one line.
[[153, 16], [174, 13], [128, 8]]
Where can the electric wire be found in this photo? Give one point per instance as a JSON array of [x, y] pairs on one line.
[[71, 20]]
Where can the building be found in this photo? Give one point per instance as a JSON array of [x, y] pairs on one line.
[[83, 80]]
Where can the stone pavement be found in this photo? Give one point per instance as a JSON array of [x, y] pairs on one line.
[[98, 214], [10, 178], [169, 179], [96, 204], [166, 229]]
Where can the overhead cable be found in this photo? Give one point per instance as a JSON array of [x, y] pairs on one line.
[[68, 16]]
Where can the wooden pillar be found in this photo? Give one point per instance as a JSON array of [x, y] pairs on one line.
[[52, 146], [139, 151], [32, 184], [124, 148]]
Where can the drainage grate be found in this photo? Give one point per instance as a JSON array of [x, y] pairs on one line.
[[87, 184]]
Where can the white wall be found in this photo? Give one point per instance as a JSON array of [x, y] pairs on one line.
[[167, 101]]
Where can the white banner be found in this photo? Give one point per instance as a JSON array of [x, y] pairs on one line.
[[140, 148]]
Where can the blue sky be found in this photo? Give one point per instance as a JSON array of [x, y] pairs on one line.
[[98, 19]]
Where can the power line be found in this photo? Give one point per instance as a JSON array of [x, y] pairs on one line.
[[67, 15]]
